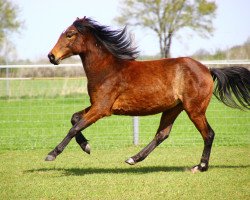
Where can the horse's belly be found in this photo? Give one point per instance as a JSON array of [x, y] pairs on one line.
[[145, 105]]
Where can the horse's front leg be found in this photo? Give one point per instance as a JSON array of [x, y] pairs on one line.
[[80, 139], [91, 117]]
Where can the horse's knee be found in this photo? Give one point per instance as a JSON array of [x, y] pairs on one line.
[[76, 117]]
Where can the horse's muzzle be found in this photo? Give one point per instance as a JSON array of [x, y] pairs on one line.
[[52, 59]]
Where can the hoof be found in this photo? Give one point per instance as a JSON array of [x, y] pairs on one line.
[[130, 161], [195, 169], [199, 168], [50, 158], [87, 148]]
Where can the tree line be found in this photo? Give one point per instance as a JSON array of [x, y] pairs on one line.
[[237, 52]]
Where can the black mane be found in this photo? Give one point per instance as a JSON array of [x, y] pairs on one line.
[[117, 42]]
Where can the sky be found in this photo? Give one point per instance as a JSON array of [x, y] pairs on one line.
[[45, 20]]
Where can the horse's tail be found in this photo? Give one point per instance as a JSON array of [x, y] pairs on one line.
[[232, 86]]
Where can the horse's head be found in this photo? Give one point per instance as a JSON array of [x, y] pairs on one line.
[[69, 43], [86, 34]]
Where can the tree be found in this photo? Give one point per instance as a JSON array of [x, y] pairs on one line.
[[167, 17], [9, 23]]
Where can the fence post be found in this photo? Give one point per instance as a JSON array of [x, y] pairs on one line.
[[7, 82], [136, 130]]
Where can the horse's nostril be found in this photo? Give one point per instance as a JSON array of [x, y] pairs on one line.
[[51, 57]]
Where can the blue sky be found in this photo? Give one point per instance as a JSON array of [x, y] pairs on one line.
[[46, 19]]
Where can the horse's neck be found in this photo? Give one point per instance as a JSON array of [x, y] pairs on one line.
[[97, 65]]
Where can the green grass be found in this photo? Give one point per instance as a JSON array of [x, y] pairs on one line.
[[37, 123], [104, 175], [36, 116], [42, 87]]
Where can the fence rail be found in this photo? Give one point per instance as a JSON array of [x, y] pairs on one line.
[[205, 62], [40, 66], [39, 108]]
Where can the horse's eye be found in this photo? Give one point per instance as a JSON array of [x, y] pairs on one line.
[[70, 34]]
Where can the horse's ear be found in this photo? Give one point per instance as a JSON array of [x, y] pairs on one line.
[[77, 18]]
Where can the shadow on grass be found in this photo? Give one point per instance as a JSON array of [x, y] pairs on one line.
[[90, 170], [132, 170]]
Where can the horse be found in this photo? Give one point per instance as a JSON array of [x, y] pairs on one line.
[[118, 84]]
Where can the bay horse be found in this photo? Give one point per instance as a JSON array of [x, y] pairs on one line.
[[119, 84]]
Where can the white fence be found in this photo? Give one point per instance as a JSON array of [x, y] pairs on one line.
[[37, 101]]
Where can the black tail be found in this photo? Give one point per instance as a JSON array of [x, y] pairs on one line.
[[233, 86]]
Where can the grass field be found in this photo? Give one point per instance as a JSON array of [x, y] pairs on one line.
[[36, 116], [104, 175]]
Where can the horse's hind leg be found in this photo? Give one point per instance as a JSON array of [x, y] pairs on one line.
[[207, 133], [80, 139], [167, 119]]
